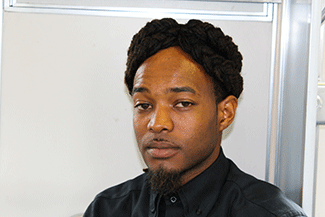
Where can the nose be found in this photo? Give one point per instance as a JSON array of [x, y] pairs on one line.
[[160, 120]]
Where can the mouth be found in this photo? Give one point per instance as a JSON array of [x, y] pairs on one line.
[[161, 149]]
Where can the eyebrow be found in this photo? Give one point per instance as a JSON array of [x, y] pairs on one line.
[[140, 90], [173, 89], [182, 89]]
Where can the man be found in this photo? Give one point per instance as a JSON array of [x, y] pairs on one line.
[[184, 81]]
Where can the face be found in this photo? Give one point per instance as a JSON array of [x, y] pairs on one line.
[[176, 120]]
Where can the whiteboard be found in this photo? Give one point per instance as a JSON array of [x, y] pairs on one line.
[[66, 118]]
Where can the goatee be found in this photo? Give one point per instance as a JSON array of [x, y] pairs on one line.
[[164, 182]]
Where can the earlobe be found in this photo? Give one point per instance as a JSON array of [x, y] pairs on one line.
[[226, 111]]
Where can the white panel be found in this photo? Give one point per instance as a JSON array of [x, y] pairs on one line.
[[320, 187], [66, 120]]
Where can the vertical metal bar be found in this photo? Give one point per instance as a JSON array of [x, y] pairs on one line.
[[311, 111], [282, 62], [292, 97], [271, 141]]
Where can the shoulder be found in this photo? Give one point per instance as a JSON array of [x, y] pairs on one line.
[[260, 196], [119, 200], [125, 188]]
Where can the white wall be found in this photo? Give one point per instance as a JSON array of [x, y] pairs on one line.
[[66, 120], [320, 174], [65, 116]]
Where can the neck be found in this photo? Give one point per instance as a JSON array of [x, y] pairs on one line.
[[191, 173]]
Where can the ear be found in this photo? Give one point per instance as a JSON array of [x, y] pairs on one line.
[[226, 112]]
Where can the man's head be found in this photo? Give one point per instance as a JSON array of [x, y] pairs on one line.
[[177, 122]]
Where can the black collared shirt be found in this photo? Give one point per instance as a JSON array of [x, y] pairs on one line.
[[221, 190]]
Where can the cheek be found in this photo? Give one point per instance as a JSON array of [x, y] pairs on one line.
[[138, 126], [204, 125], [200, 136]]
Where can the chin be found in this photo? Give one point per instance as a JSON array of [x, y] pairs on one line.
[[166, 166]]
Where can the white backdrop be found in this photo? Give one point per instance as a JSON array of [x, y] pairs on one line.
[[66, 119]]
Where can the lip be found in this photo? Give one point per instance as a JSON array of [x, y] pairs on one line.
[[162, 149], [162, 153]]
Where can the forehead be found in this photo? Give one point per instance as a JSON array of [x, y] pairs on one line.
[[169, 68]]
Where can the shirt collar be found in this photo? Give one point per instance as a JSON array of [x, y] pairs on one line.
[[201, 193]]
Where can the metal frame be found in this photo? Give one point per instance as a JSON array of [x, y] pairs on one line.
[[283, 16], [12, 2], [269, 14], [266, 15]]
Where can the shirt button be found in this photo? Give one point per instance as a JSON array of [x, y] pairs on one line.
[[173, 199], [198, 212]]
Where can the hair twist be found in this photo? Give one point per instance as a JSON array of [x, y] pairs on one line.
[[206, 44]]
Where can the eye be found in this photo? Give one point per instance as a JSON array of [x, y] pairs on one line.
[[143, 106], [184, 104]]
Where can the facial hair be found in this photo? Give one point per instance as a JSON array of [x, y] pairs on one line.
[[164, 182]]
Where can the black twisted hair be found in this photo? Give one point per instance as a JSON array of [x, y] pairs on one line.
[[206, 44]]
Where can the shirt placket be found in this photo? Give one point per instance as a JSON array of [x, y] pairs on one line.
[[154, 205]]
